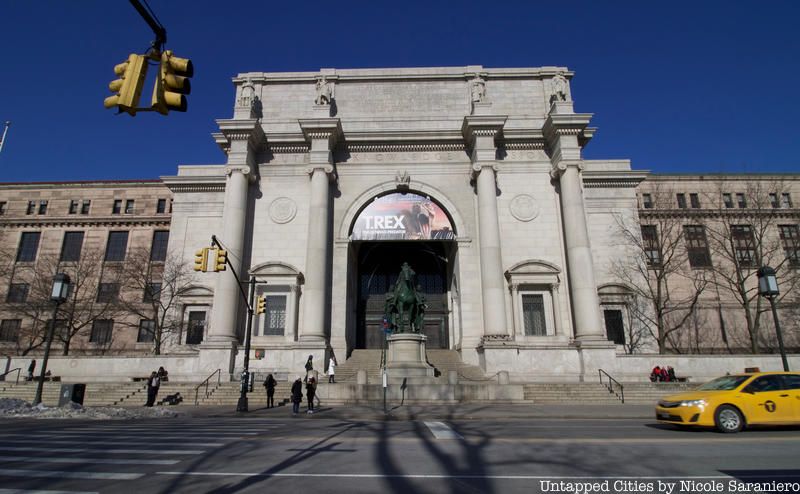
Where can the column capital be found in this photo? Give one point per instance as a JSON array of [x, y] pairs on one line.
[[327, 168], [478, 166], [559, 168]]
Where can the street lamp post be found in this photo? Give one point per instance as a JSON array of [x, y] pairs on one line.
[[58, 295], [768, 288], [242, 405]]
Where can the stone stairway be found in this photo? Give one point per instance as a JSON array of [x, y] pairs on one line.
[[369, 360], [97, 394], [228, 394], [598, 394], [447, 360]]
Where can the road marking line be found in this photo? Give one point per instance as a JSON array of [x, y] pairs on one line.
[[26, 491], [106, 461], [440, 430], [70, 475], [112, 443]]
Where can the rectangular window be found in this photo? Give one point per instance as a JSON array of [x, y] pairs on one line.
[[727, 199], [681, 201], [85, 206], [73, 207], [9, 329], [71, 248], [117, 206], [152, 292], [647, 201], [42, 207], [533, 315], [740, 200], [101, 331], [158, 251], [61, 330], [31, 207], [694, 200], [743, 245], [773, 200], [147, 331], [129, 206], [697, 246], [790, 238], [117, 246], [650, 245], [161, 206], [18, 293], [3, 205], [615, 329], [197, 324], [786, 200], [28, 246], [107, 292], [275, 316]]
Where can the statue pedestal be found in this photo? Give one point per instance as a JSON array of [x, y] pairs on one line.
[[405, 356]]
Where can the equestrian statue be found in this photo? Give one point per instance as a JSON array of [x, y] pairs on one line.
[[404, 310]]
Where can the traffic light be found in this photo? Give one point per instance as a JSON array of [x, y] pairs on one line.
[[221, 257], [172, 83], [128, 87], [201, 259], [261, 304]]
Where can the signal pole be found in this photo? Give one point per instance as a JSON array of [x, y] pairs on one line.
[[5, 131]]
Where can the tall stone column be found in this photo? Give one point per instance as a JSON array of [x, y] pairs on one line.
[[562, 129], [480, 133], [322, 135]]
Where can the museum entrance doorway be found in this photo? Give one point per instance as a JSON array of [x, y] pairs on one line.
[[377, 268]]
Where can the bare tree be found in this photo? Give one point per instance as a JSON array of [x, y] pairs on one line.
[[657, 269], [152, 290]]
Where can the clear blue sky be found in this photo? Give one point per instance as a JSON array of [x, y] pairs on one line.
[[685, 87]]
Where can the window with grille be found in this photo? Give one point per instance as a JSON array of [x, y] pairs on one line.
[[786, 200], [647, 201], [790, 238], [743, 245], [61, 330], [697, 246], [694, 200], [773, 200], [275, 316], [18, 293], [101, 331], [31, 207], [681, 200], [615, 327], [727, 199], [117, 245], [152, 291], [161, 206], [9, 329], [129, 206], [42, 207], [28, 246], [741, 201], [117, 206], [158, 251], [71, 247], [85, 207], [533, 314], [194, 331], [107, 292], [650, 244], [147, 331], [73, 207], [3, 205]]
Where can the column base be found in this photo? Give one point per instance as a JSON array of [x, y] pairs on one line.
[[405, 356]]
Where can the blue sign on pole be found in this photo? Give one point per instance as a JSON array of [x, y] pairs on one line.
[[386, 328]]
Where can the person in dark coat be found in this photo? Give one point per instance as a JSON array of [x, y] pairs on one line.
[[309, 367], [311, 390], [269, 385], [671, 374], [152, 389], [31, 368], [162, 374], [297, 395]]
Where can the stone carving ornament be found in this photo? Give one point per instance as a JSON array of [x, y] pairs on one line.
[[282, 210], [324, 92], [478, 89], [247, 97], [524, 208], [559, 88]]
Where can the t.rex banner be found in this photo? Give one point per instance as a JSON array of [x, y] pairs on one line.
[[400, 216]]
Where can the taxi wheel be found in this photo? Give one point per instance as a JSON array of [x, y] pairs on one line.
[[728, 419]]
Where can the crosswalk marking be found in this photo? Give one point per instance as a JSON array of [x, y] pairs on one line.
[[105, 461], [8, 472], [107, 451], [440, 430]]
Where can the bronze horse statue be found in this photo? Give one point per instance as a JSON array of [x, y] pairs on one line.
[[404, 300]]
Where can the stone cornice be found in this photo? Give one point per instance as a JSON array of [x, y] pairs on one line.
[[87, 221], [613, 179], [248, 129], [792, 214], [322, 128], [482, 126], [195, 184]]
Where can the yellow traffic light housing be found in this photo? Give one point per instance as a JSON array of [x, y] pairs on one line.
[[128, 87], [261, 304], [221, 258], [172, 83], [201, 260]]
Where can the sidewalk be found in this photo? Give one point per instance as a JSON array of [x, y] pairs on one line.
[[469, 411]]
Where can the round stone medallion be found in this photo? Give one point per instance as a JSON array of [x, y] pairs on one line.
[[524, 208], [282, 210]]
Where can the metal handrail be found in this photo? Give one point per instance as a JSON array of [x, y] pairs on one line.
[[218, 372], [3, 375], [610, 386]]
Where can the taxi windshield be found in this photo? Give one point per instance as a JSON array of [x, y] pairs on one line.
[[725, 383]]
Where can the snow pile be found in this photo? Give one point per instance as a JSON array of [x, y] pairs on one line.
[[13, 407]]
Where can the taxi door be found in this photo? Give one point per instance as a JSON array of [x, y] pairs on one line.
[[792, 385], [766, 401]]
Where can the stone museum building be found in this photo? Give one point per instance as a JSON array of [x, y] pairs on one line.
[[526, 254]]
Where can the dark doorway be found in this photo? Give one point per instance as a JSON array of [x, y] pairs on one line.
[[378, 265]]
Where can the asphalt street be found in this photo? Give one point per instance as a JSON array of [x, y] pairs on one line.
[[313, 454]]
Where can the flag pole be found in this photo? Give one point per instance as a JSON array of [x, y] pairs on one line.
[[5, 131]]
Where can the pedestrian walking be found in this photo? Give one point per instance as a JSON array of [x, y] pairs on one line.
[[31, 368], [297, 395], [152, 389], [311, 391], [332, 370], [309, 367], [269, 385]]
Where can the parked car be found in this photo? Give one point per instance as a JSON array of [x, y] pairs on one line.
[[733, 402]]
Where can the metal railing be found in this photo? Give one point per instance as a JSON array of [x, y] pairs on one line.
[[610, 385], [205, 383], [17, 370]]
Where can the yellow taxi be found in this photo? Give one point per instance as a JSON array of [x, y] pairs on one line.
[[732, 402]]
